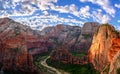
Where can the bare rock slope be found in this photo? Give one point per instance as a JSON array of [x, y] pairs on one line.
[[104, 52]]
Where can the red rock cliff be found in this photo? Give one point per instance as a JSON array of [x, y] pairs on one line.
[[13, 49], [104, 51], [64, 56]]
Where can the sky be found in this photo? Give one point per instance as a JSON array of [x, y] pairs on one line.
[[42, 13]]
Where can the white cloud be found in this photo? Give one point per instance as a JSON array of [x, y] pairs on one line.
[[99, 17], [47, 20], [27, 9], [118, 21], [73, 9], [84, 11], [117, 27], [16, 7], [117, 5], [61, 9], [24, 7], [45, 4], [104, 4], [70, 16], [45, 13]]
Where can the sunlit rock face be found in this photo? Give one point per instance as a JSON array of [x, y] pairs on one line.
[[85, 38], [13, 50], [104, 51]]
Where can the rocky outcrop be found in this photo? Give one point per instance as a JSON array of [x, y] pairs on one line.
[[74, 38], [105, 50], [13, 50], [84, 40], [62, 54], [37, 45], [62, 34], [89, 28]]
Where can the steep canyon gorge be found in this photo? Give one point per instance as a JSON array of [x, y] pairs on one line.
[[19, 43]]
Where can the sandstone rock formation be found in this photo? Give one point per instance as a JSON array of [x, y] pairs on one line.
[[62, 34], [104, 52], [13, 50], [38, 44], [84, 40], [64, 56], [19, 42], [74, 38]]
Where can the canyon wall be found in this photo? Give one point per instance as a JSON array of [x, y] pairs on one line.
[[75, 38], [13, 50], [104, 51]]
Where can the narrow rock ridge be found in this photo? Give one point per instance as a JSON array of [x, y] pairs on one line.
[[64, 56]]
